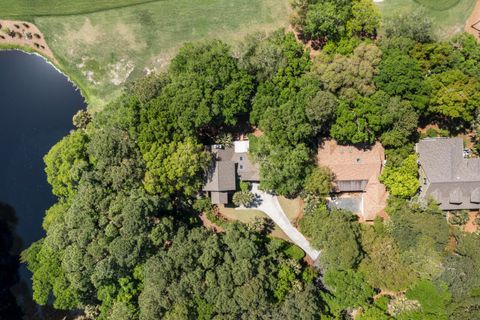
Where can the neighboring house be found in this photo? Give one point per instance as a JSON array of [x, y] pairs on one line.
[[447, 175], [229, 164], [357, 172]]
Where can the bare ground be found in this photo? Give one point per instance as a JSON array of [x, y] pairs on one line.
[[24, 35]]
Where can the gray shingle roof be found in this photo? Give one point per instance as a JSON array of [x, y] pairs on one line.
[[452, 179]]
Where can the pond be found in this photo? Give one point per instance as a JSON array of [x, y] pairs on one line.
[[37, 104]]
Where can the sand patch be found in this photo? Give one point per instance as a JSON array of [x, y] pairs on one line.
[[24, 34], [473, 22]]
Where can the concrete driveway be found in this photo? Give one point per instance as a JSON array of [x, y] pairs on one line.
[[269, 204]]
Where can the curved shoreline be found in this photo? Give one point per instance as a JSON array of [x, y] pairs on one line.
[[35, 45], [57, 68]]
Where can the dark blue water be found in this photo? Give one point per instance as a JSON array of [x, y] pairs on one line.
[[37, 104]]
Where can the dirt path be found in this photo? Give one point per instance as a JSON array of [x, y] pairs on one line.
[[24, 34], [474, 18]]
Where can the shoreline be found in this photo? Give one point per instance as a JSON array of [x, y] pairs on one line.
[[26, 37]]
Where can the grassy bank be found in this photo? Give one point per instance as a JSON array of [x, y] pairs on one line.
[[449, 16], [102, 51]]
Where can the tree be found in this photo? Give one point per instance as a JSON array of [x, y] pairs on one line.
[[358, 122], [383, 266], [319, 182], [416, 25], [282, 169], [207, 88], [243, 198], [175, 167], [325, 20], [402, 181], [349, 76], [455, 96], [365, 20], [432, 298], [400, 75], [336, 233], [321, 110], [349, 290], [81, 119], [66, 162]]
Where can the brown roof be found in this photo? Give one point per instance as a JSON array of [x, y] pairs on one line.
[[357, 169], [350, 162]]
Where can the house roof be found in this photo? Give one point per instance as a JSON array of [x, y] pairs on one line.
[[220, 177], [453, 179], [226, 164], [357, 169], [219, 197], [349, 163]]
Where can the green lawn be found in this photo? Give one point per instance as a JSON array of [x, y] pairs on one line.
[[24, 9], [102, 51], [449, 16]]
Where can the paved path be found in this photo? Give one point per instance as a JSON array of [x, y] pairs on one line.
[[270, 205]]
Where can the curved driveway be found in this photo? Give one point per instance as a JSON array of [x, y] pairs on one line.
[[269, 204]]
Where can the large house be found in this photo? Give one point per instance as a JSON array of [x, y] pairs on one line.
[[447, 175], [230, 164], [356, 177]]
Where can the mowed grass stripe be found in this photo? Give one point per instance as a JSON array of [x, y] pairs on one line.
[[28, 9]]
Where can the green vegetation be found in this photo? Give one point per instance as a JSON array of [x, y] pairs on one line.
[[125, 240], [448, 16], [102, 50], [24, 9]]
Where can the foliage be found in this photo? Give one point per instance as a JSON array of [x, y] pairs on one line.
[[415, 25], [323, 21], [337, 234], [349, 76], [65, 163], [349, 290], [243, 198], [282, 169], [458, 218], [319, 182], [81, 119], [455, 95], [402, 181], [433, 300]]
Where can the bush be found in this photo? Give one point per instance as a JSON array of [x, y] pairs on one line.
[[243, 198], [294, 252], [458, 218]]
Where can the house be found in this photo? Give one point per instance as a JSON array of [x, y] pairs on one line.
[[356, 177], [448, 175], [229, 165]]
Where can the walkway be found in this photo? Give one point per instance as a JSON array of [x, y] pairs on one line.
[[269, 204]]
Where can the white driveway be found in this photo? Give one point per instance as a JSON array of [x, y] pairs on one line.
[[270, 205]]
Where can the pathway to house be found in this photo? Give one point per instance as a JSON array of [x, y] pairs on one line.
[[269, 204]]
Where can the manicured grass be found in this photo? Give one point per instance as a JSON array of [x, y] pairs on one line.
[[449, 16], [102, 51], [438, 4], [13, 9], [291, 207], [248, 216]]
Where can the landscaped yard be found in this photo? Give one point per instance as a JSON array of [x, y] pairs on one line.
[[449, 16], [248, 216], [102, 51]]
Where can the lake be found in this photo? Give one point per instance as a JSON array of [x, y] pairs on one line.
[[37, 104]]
